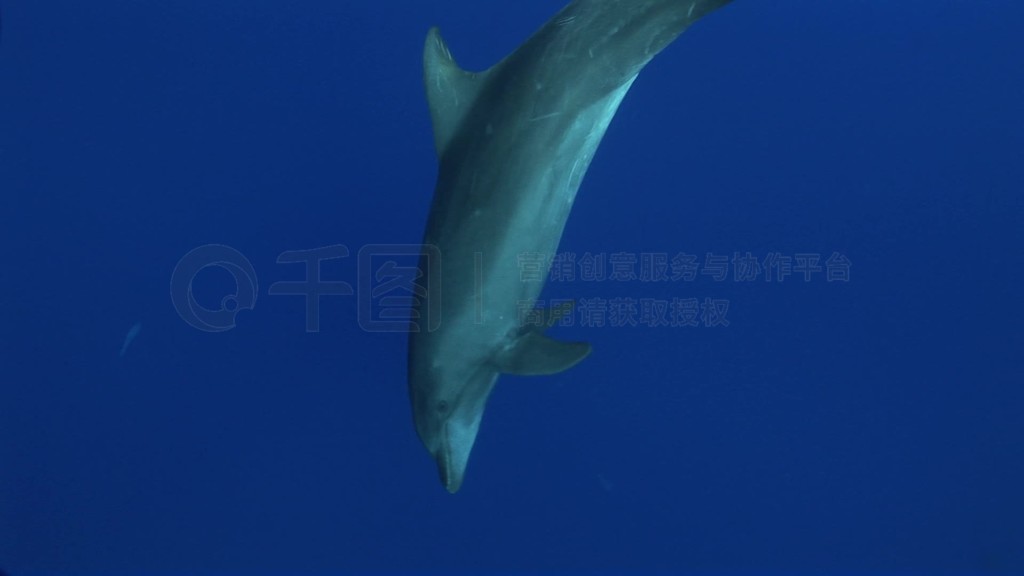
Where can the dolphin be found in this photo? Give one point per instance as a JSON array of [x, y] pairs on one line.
[[513, 145]]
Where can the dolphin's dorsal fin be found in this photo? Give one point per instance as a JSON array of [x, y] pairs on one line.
[[534, 354], [451, 91]]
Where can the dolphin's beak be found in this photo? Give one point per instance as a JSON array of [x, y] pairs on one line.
[[450, 477], [452, 456]]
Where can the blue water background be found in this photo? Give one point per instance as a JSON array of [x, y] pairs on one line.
[[873, 424]]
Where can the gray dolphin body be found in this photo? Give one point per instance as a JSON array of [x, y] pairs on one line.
[[514, 143]]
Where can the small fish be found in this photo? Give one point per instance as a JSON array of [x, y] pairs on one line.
[[130, 336]]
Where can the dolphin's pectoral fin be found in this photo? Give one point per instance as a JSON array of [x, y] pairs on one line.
[[451, 91], [534, 354]]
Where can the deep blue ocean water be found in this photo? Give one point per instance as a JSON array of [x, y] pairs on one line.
[[870, 421]]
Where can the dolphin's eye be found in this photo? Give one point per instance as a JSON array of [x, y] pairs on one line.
[[442, 407]]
